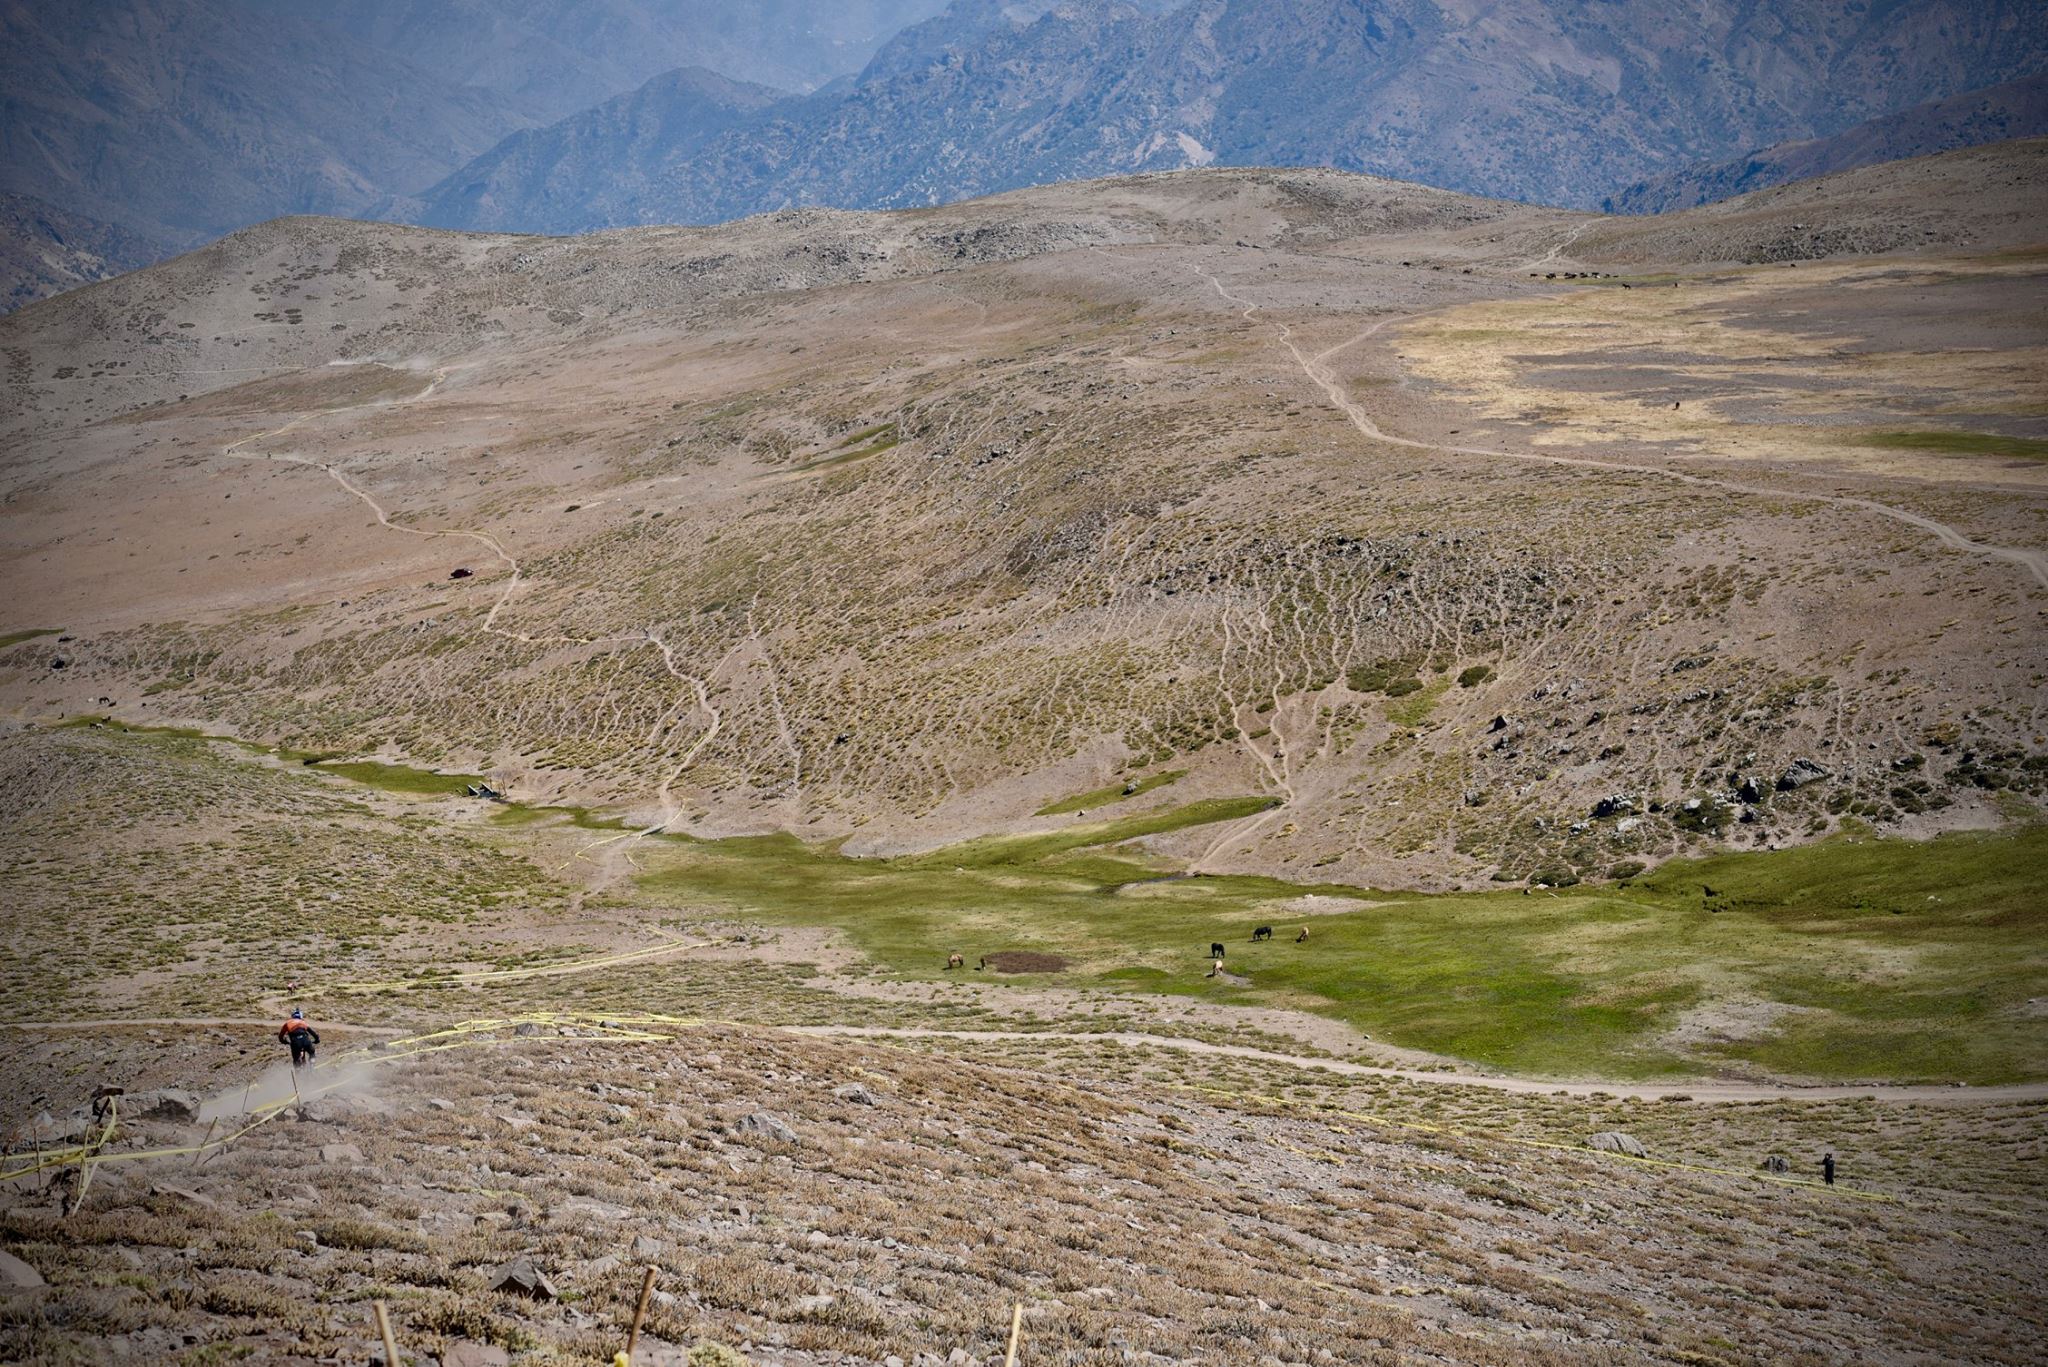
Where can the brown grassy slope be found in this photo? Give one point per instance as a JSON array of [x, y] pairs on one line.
[[909, 524], [1135, 1224]]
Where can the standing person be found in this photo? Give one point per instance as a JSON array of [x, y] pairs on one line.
[[1827, 1169], [300, 1035]]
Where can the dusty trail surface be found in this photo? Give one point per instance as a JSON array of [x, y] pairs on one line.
[[2034, 562], [1709, 1091]]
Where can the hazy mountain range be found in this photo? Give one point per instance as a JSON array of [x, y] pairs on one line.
[[1553, 101], [2015, 109], [184, 119], [173, 121]]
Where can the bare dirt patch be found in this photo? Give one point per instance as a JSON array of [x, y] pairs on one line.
[[1025, 961]]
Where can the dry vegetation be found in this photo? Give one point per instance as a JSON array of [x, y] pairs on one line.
[[971, 580], [912, 1199]]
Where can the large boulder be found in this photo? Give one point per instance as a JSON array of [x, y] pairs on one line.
[[1614, 1141], [1801, 772], [521, 1278], [767, 1126]]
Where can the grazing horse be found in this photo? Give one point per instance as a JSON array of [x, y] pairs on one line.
[[1302, 938], [1262, 933], [1216, 950], [981, 963], [1216, 968], [954, 961]]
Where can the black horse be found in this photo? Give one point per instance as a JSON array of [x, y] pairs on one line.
[[1216, 950], [1262, 933]]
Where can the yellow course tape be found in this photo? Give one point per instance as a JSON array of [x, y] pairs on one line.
[[626, 1028], [499, 976], [630, 1028]]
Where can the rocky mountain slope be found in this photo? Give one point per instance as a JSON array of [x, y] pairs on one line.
[[2015, 109], [44, 250], [551, 58], [184, 119], [1534, 99], [178, 120], [905, 527]]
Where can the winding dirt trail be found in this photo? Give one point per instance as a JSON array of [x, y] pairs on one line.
[[1701, 1091], [699, 691], [1698, 1091], [1319, 372]]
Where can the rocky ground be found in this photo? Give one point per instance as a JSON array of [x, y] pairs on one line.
[[811, 1202], [997, 570]]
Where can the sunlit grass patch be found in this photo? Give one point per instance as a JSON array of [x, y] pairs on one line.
[[1957, 443], [1115, 792]]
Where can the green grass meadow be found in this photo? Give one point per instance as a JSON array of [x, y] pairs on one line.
[[1857, 958]]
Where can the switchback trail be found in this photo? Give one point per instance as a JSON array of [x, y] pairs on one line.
[[699, 695], [1319, 372], [1725, 1092]]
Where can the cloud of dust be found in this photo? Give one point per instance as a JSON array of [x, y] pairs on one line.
[[280, 1084]]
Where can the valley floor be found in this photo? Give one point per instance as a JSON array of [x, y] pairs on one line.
[[532, 1051]]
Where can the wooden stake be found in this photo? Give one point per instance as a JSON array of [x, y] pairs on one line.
[[640, 1313], [1016, 1328], [384, 1328], [200, 1152]]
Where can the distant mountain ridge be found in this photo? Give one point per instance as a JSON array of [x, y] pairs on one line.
[[551, 58], [179, 120], [2014, 109], [45, 250], [185, 119], [1546, 100]]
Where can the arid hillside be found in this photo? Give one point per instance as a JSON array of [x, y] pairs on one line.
[[1463, 540]]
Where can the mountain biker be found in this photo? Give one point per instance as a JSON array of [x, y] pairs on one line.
[[300, 1035]]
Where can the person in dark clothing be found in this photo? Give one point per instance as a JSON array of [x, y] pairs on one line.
[[300, 1035], [1827, 1169]]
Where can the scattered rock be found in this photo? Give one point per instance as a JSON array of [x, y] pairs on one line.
[[461, 573], [166, 1103], [1775, 1164], [49, 1130], [336, 1110], [768, 1126], [16, 1275], [1614, 1141], [644, 1247], [470, 1353], [185, 1194], [815, 1305], [526, 1028], [340, 1153], [521, 1278], [855, 1092]]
